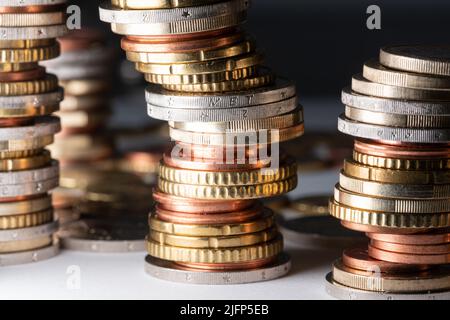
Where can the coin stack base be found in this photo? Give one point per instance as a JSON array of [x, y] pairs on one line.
[[171, 271]]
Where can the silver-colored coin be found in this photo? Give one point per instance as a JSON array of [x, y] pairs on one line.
[[77, 244], [32, 33], [222, 115], [376, 104], [31, 101], [43, 126], [318, 232], [29, 176], [170, 271], [376, 132], [29, 233], [110, 14], [24, 3], [36, 255], [75, 72], [181, 27], [29, 188], [109, 234], [281, 90], [339, 291]]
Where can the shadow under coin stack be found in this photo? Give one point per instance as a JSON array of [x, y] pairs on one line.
[[28, 97], [208, 226], [396, 188], [84, 72]]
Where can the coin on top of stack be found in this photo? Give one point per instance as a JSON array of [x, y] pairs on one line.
[[28, 97], [227, 113], [396, 187]]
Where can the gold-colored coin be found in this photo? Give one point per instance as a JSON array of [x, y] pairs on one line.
[[29, 55], [26, 163], [26, 220], [397, 120], [394, 190], [28, 111], [376, 72], [431, 59], [25, 245], [221, 65], [193, 79], [396, 176], [23, 148], [84, 86], [364, 86], [228, 178], [26, 44], [208, 230], [32, 19], [21, 207], [88, 102], [408, 283], [388, 219], [401, 164], [398, 205], [221, 139], [16, 67], [262, 190], [286, 120], [159, 4], [46, 84], [211, 242], [225, 86], [234, 50], [224, 255], [19, 153]]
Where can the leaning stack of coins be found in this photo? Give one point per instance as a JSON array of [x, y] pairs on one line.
[[226, 114], [28, 97], [396, 188], [83, 71]]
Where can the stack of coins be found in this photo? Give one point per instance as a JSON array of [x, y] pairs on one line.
[[396, 188], [28, 97], [84, 73], [227, 113]]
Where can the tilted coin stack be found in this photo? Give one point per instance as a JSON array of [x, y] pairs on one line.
[[84, 71], [28, 97], [396, 188], [208, 82]]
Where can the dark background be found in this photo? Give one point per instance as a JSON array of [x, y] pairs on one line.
[[320, 43]]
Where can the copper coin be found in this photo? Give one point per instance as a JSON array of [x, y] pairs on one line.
[[33, 9], [412, 249], [408, 258], [178, 161], [358, 258], [173, 203], [25, 75], [16, 122], [211, 267], [216, 218], [373, 229], [201, 43], [414, 239], [183, 37], [84, 38], [402, 151]]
